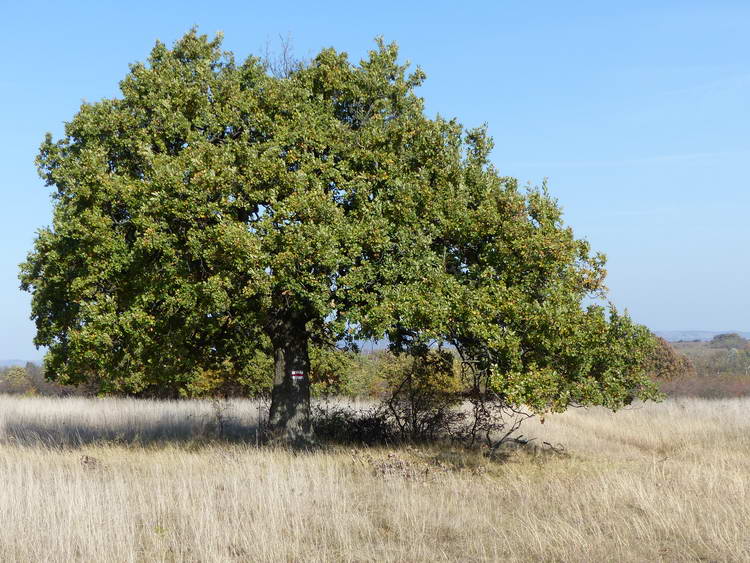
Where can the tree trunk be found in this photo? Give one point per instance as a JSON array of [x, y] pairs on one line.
[[290, 398]]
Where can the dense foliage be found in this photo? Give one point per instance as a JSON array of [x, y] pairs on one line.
[[216, 219], [664, 362]]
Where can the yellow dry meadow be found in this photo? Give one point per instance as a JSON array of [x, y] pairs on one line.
[[125, 480]]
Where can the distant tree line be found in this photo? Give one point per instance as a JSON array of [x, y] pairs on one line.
[[376, 374], [414, 398], [725, 355], [719, 368], [30, 380]]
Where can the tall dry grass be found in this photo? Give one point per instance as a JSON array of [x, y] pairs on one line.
[[119, 480]]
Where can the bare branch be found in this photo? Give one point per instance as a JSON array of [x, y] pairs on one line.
[[281, 63]]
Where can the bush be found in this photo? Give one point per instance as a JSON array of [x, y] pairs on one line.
[[417, 396], [420, 398], [664, 362], [422, 395]]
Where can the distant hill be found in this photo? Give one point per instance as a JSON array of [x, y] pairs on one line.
[[702, 335], [10, 363]]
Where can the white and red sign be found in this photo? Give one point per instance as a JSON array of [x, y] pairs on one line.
[[297, 375]]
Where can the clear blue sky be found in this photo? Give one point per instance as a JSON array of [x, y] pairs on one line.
[[637, 112]]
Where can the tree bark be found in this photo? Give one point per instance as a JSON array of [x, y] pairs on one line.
[[290, 397]]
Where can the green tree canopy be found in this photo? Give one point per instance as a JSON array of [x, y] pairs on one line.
[[215, 215]]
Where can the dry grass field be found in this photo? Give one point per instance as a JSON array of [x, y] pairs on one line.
[[124, 480]]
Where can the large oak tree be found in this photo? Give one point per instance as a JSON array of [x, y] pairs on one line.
[[215, 214]]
